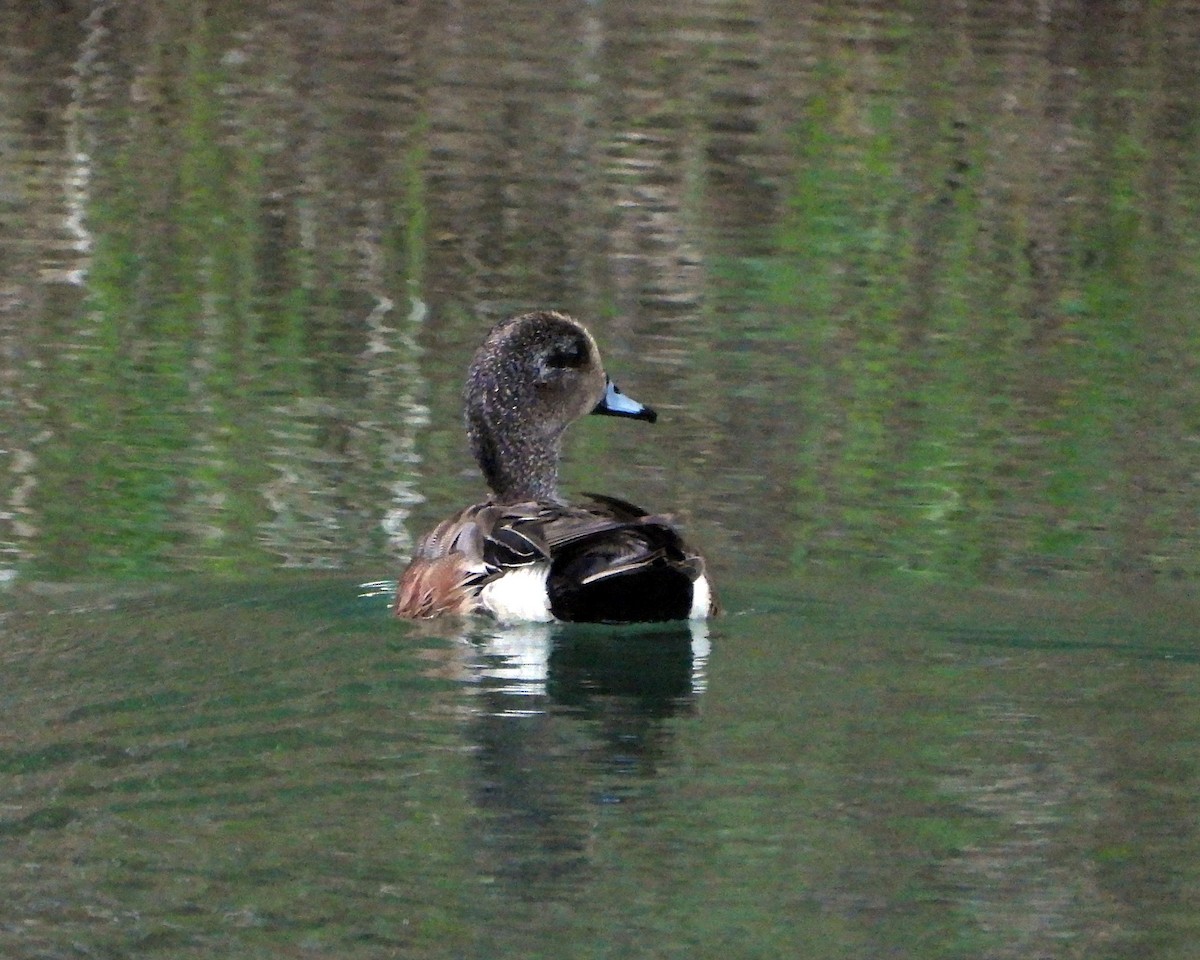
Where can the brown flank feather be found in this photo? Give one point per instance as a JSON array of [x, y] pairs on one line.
[[431, 588]]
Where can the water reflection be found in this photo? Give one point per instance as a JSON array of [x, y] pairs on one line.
[[658, 668], [913, 286], [567, 720], [910, 285], [853, 773]]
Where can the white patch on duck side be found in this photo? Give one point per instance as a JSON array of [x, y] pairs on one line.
[[701, 599], [519, 596]]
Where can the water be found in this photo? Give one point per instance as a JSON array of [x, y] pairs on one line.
[[912, 288], [216, 770]]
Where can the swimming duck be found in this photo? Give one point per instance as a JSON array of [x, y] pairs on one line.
[[524, 554]]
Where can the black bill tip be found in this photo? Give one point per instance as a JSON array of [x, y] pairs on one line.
[[615, 404]]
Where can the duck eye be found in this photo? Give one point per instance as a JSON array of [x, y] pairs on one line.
[[570, 354]]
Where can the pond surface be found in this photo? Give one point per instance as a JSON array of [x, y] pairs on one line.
[[276, 769], [913, 288]]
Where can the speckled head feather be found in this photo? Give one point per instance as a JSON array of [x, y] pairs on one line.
[[532, 377]]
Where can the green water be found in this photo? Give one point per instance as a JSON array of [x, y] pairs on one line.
[[279, 769], [912, 287]]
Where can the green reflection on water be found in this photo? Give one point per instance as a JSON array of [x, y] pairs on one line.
[[924, 334]]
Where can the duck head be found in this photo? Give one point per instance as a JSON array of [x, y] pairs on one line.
[[532, 377]]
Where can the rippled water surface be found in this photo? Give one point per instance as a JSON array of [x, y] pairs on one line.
[[277, 768], [913, 288]]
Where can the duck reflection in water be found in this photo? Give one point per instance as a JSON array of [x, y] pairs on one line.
[[655, 668], [570, 719]]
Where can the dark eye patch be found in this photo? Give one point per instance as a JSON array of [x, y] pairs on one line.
[[567, 354]]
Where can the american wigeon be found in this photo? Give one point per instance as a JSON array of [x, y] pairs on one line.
[[525, 554]]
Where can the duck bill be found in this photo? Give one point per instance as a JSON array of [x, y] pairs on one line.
[[615, 404]]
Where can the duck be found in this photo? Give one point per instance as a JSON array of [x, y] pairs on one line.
[[525, 554]]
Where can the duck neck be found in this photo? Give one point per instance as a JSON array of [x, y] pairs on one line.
[[519, 465]]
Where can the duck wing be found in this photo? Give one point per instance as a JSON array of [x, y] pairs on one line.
[[614, 562], [462, 554], [607, 561]]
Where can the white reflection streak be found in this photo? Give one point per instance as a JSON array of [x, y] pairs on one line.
[[378, 588], [701, 648], [78, 179], [390, 360], [413, 414], [519, 657]]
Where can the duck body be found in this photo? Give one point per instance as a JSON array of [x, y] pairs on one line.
[[607, 561], [525, 554]]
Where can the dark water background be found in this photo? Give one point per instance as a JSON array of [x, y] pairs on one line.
[[914, 288]]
